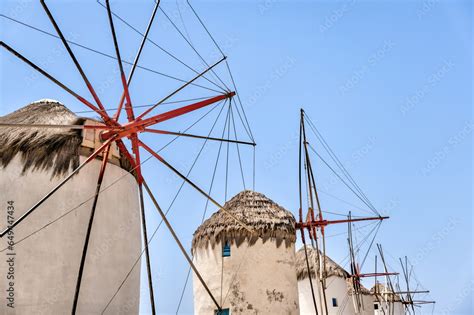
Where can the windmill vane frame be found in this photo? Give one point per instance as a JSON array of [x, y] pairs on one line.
[[123, 137], [112, 132]]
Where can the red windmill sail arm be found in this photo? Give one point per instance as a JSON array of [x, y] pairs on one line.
[[123, 149], [140, 125], [323, 223], [136, 151], [183, 110]]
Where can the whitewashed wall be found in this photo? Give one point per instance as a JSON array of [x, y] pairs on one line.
[[265, 279], [46, 264], [336, 288], [395, 308], [367, 304]]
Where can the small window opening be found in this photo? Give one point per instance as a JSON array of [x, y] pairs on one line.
[[376, 306], [224, 311], [334, 302], [226, 249]]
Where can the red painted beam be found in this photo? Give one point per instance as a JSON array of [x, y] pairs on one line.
[[323, 223], [140, 125], [181, 111]]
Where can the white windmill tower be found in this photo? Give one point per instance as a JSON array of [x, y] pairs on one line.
[[247, 272], [41, 261]]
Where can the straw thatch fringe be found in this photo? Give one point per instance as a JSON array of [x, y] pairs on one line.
[[332, 268], [41, 148], [267, 218]]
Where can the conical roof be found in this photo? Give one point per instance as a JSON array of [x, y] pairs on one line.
[[332, 268], [41, 148], [44, 149], [258, 212]]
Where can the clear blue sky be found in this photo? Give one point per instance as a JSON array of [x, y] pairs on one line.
[[389, 84]]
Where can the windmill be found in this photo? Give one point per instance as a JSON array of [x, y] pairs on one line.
[[315, 224], [123, 138]]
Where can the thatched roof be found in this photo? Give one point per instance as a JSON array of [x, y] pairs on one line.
[[55, 149], [41, 148], [332, 268], [380, 288], [267, 218]]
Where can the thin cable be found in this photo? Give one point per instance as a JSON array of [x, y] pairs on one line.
[[185, 28], [113, 183], [338, 161], [253, 175], [371, 243], [249, 131], [146, 105], [158, 46], [356, 229], [159, 225], [203, 25], [343, 262], [184, 37], [105, 54], [342, 180], [334, 157], [343, 201], [227, 155], [237, 145], [204, 214]]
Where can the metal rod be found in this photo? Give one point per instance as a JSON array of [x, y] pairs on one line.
[[328, 222], [368, 275], [301, 221], [159, 158], [382, 257], [89, 230], [147, 253], [181, 111], [139, 125], [164, 132], [311, 184], [39, 203], [128, 105], [137, 57], [180, 245], [180, 88], [410, 292], [376, 293], [163, 50], [47, 75], [74, 59]]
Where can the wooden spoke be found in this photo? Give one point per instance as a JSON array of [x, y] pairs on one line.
[[180, 245], [89, 228], [181, 134]]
